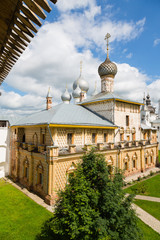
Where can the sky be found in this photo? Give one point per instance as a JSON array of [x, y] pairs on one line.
[[74, 31]]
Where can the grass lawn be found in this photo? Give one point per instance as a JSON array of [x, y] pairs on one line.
[[152, 187], [21, 218], [148, 233], [152, 208]]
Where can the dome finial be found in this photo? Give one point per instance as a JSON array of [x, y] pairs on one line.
[[107, 38]]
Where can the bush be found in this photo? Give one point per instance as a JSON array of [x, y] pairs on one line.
[[92, 206], [151, 173], [141, 188]]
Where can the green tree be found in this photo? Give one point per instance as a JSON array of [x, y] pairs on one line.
[[92, 206]]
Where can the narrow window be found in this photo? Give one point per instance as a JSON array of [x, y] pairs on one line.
[[69, 138], [93, 137], [105, 137], [127, 120], [125, 166], [134, 163]]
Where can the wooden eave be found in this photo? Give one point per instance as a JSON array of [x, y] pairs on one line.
[[17, 26]]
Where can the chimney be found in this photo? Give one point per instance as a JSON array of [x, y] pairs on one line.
[[48, 100]]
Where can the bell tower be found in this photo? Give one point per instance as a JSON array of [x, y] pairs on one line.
[[107, 71]]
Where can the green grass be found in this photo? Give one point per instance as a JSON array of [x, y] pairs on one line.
[[148, 233], [152, 208], [21, 218], [159, 155], [152, 187]]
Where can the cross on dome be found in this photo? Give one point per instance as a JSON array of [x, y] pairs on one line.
[[107, 39]]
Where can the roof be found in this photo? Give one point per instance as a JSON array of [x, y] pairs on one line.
[[156, 121], [16, 28], [10, 119], [70, 115], [107, 96], [145, 127]]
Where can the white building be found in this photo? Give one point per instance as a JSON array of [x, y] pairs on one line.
[[5, 122]]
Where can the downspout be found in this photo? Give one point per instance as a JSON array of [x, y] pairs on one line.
[[113, 111], [49, 130], [47, 169]]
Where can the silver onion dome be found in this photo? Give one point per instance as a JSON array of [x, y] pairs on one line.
[[107, 68], [66, 96], [83, 84], [76, 92]]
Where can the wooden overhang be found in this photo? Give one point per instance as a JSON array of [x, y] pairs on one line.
[[18, 20]]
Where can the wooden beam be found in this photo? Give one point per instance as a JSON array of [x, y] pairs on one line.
[[44, 4], [54, 1], [16, 43], [30, 15], [21, 34], [12, 51], [17, 38], [23, 28], [34, 7], [27, 22], [14, 47]]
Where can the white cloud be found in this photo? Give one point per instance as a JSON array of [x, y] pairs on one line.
[[130, 55], [156, 42], [52, 58], [64, 5]]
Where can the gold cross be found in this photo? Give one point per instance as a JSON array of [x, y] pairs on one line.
[[106, 38]]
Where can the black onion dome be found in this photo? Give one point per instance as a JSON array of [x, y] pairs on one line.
[[107, 68]]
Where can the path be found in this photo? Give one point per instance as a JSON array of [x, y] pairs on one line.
[[136, 175], [147, 198], [147, 218]]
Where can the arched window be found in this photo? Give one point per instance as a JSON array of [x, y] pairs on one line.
[[126, 162], [35, 140], [70, 170], [26, 169], [40, 174], [134, 160]]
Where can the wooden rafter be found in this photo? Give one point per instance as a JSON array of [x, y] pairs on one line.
[[17, 27]]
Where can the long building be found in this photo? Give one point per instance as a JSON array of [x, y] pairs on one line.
[[46, 146]]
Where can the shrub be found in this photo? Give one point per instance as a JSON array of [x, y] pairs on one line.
[[92, 206]]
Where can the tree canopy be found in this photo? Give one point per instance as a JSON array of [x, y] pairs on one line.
[[92, 206]]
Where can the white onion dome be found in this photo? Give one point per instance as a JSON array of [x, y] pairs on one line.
[[83, 84], [66, 96], [76, 92], [107, 68]]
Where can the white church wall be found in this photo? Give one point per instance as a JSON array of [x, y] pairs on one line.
[[104, 109], [121, 111], [4, 151]]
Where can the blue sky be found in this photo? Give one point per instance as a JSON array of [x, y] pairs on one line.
[[75, 31]]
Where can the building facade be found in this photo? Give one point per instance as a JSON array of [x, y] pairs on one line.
[[46, 146]]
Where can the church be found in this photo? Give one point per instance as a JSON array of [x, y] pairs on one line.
[[47, 145]]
